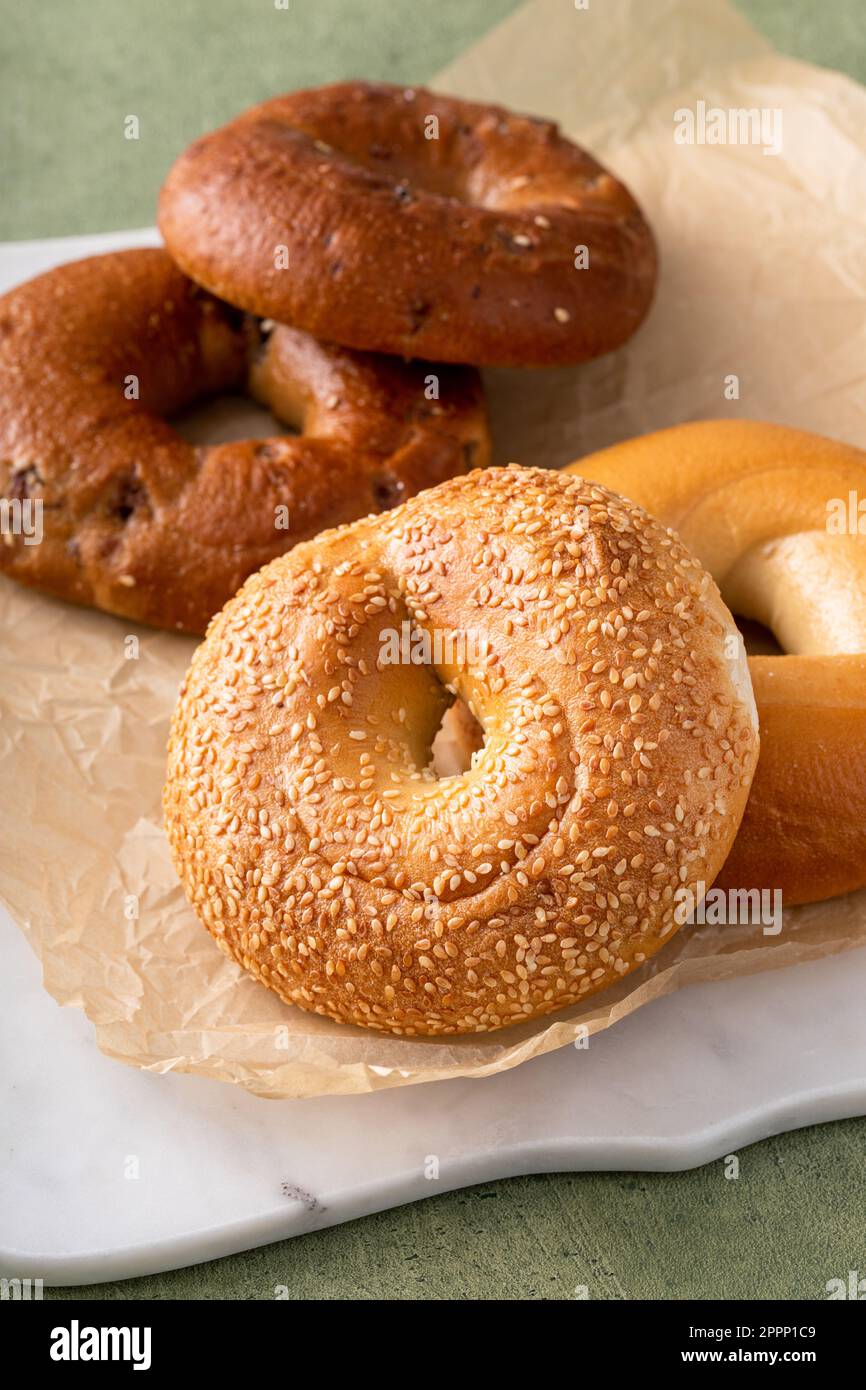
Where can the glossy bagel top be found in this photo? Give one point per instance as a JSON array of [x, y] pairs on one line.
[[400, 221]]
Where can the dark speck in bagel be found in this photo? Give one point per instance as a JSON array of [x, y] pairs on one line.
[[108, 544], [268, 450], [129, 497], [388, 491], [418, 313], [22, 480]]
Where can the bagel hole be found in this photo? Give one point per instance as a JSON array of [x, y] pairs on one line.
[[458, 738], [226, 419], [758, 640]]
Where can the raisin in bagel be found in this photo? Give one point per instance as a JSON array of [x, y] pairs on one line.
[[313, 839], [138, 521], [762, 507], [414, 224]]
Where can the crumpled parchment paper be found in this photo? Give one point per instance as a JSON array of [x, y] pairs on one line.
[[762, 279]]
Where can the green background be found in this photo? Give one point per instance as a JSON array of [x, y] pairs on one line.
[[70, 72]]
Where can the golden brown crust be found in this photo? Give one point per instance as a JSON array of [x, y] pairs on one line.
[[804, 830], [319, 849], [141, 523], [751, 500], [459, 248]]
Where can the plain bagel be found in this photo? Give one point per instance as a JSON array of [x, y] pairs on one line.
[[315, 842], [97, 355], [400, 221], [756, 503]]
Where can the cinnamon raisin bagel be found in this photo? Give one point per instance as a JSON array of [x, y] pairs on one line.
[[778, 516], [314, 840], [401, 221], [96, 355]]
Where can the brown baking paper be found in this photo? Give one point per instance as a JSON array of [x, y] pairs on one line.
[[762, 277]]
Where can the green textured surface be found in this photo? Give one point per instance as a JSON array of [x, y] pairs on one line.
[[69, 73]]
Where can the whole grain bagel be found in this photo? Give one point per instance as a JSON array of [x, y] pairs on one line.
[[96, 355], [314, 840], [769, 511], [400, 221]]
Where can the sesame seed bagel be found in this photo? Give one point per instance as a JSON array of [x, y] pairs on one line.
[[777, 516], [98, 355], [400, 221], [314, 840]]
